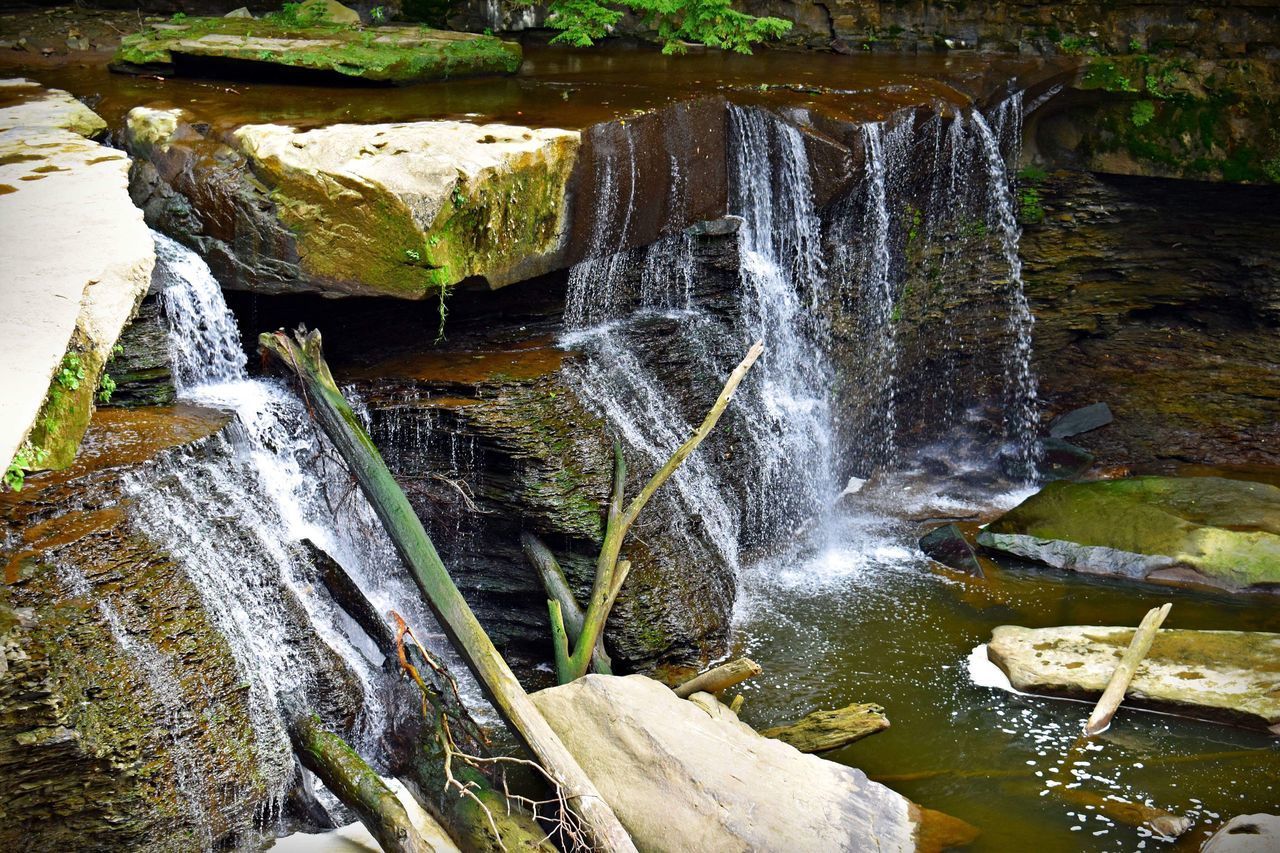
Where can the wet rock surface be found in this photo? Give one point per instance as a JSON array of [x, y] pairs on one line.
[[1203, 530], [1172, 320], [1223, 675]]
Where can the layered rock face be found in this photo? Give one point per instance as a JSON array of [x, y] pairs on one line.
[[76, 271]]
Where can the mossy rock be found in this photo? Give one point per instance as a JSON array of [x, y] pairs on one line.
[[380, 55], [1210, 530]]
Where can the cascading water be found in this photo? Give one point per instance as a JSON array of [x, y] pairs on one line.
[[234, 511], [784, 419], [1021, 405]]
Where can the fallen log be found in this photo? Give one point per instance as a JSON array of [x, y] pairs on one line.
[[334, 415], [357, 785], [346, 594], [1154, 818], [1125, 670], [719, 678], [822, 731]]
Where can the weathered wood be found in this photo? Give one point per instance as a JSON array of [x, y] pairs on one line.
[[618, 521], [335, 416], [718, 678], [1119, 683], [822, 731], [1156, 819], [557, 587], [357, 785]]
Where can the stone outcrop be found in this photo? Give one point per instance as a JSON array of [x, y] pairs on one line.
[[1246, 833], [77, 259], [126, 721], [1201, 530], [1220, 675], [313, 46], [680, 779]]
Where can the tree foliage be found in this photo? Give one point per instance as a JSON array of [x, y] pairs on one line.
[[714, 23]]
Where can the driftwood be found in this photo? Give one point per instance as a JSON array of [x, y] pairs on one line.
[[1154, 818], [335, 416], [1125, 670], [484, 820], [357, 785], [557, 587], [610, 570], [719, 678], [823, 731]]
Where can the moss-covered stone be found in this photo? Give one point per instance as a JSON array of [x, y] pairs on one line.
[[1203, 529], [382, 54]]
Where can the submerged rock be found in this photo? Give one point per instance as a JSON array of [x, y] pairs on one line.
[[1219, 675], [1206, 530], [680, 779], [315, 45], [77, 259], [947, 544]]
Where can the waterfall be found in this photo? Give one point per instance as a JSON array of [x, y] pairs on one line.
[[233, 511], [654, 355], [1022, 417]]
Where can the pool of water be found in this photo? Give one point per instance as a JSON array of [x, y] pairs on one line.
[[855, 613]]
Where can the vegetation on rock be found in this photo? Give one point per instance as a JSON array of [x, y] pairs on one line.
[[714, 23]]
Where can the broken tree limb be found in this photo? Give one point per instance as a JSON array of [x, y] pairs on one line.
[[485, 821], [718, 678], [334, 415], [357, 785], [618, 521], [1125, 670], [557, 587]]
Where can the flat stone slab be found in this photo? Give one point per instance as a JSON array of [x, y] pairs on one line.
[[377, 54], [1230, 676], [76, 257], [1204, 530]]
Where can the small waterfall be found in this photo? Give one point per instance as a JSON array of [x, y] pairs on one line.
[[1022, 417], [234, 510], [655, 355]]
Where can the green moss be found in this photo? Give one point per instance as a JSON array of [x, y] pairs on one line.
[[390, 54], [67, 408]]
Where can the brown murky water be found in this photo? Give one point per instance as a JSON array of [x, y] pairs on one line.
[[860, 616]]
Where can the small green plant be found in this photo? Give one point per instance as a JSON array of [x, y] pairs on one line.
[[106, 388], [178, 17], [1141, 113], [1032, 174], [26, 459], [378, 14], [1135, 46], [412, 255], [1030, 210], [444, 312], [71, 374], [459, 200]]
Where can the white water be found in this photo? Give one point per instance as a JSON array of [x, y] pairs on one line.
[[234, 510]]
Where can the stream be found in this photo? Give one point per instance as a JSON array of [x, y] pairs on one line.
[[858, 429]]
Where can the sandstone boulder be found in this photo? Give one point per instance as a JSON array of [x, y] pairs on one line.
[[1222, 675], [1206, 530], [682, 779], [77, 258]]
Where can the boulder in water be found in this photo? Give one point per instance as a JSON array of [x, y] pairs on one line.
[[947, 545], [1220, 675], [1203, 530], [823, 731], [1246, 833], [680, 779]]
